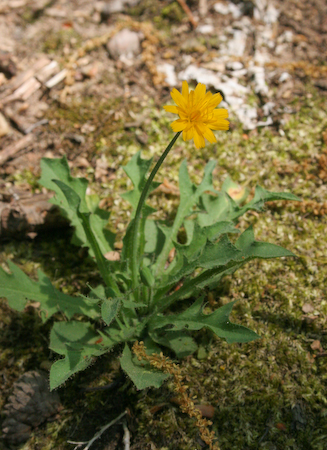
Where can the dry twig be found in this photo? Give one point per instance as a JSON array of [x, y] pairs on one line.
[[188, 12]]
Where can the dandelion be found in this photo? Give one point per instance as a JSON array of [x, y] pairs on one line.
[[197, 114]]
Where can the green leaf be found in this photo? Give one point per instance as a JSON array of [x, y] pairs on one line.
[[72, 200], [251, 248], [189, 196], [92, 239], [177, 341], [17, 287], [218, 259], [109, 309], [220, 207], [141, 373], [154, 240], [136, 170], [78, 343], [235, 191], [218, 322], [223, 207]]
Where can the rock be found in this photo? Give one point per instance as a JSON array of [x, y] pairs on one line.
[[234, 65], [265, 11], [205, 29], [236, 45], [248, 116], [229, 8], [30, 404], [124, 45], [169, 71], [268, 107], [284, 76], [221, 8], [105, 9], [4, 127], [260, 86], [228, 86]]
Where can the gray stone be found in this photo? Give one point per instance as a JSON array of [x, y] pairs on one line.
[[124, 45]]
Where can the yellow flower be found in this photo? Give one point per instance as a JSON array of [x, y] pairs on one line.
[[197, 114]]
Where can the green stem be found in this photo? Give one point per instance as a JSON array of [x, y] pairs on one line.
[[137, 218], [101, 261]]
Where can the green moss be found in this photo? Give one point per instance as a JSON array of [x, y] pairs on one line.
[[56, 40], [173, 12]]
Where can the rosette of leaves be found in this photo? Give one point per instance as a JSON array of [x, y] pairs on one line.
[[209, 218]]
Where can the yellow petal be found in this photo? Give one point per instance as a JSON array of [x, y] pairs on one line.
[[185, 90], [179, 125], [198, 140], [178, 98], [215, 100], [218, 120], [220, 113], [183, 114], [188, 133], [171, 108], [191, 99], [208, 134], [199, 92], [219, 125], [203, 104]]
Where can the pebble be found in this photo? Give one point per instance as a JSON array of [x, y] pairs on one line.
[[125, 44]]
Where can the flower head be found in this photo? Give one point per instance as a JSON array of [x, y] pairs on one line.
[[197, 114]]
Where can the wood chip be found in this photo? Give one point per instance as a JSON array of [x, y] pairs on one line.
[[14, 148], [56, 79], [29, 215], [24, 76], [27, 89], [48, 71]]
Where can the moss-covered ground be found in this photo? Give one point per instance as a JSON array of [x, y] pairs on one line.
[[268, 394]]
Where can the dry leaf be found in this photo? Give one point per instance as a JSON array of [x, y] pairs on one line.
[[112, 256], [307, 308], [316, 345]]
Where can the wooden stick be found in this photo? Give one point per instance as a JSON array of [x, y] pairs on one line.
[[188, 13], [14, 148]]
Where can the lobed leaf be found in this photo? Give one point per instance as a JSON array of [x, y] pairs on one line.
[[141, 373], [222, 207], [78, 343], [194, 319], [54, 170], [189, 196], [17, 287]]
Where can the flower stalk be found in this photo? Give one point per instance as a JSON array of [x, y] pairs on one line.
[[138, 216]]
